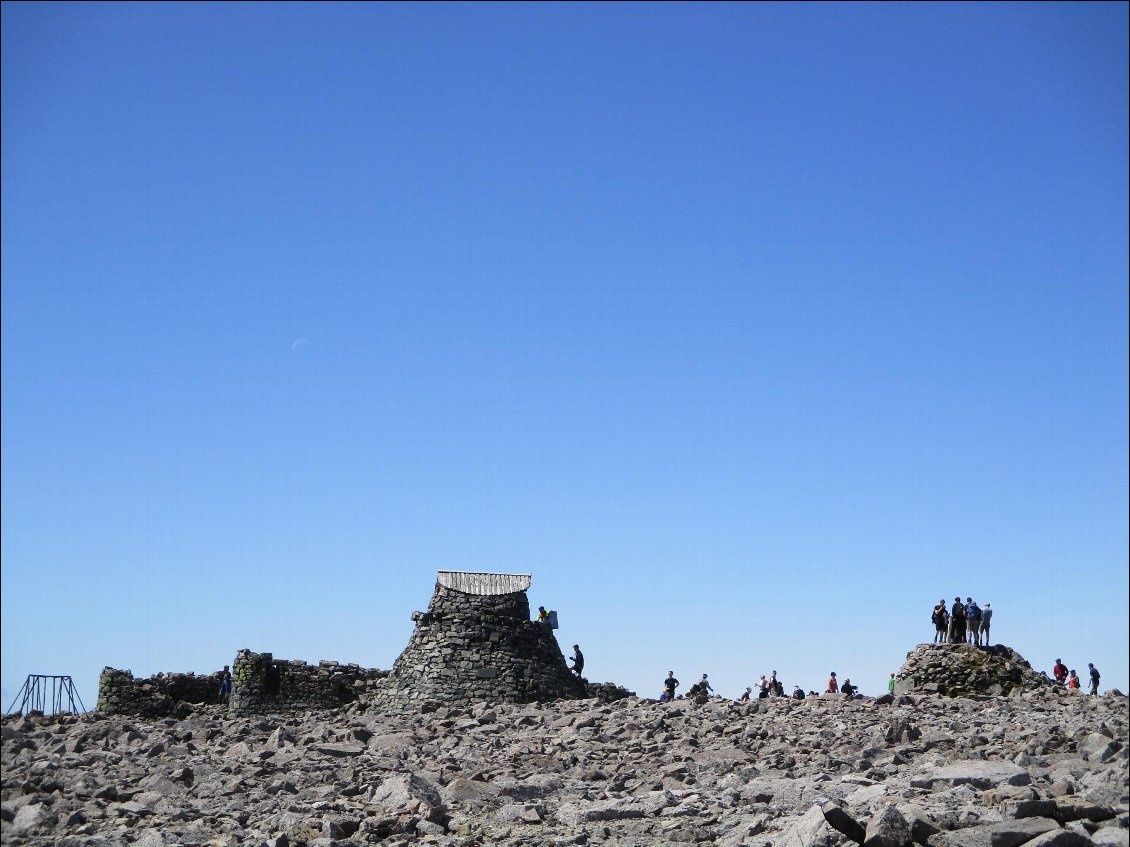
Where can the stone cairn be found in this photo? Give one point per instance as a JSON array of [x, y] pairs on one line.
[[961, 670], [476, 642]]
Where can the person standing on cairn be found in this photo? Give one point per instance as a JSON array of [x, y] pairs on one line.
[[986, 616]]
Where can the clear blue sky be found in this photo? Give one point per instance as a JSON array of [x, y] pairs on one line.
[[749, 330]]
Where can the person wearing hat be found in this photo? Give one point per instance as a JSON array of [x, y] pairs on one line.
[[745, 696], [848, 689], [891, 684], [833, 684]]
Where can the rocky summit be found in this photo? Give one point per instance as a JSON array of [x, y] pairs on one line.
[[1040, 766]]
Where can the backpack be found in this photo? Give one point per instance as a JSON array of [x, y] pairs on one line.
[[974, 614], [552, 619]]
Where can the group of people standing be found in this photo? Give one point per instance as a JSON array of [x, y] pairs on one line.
[[1070, 680], [962, 623], [766, 687]]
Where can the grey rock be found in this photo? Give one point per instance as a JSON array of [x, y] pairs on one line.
[[810, 830], [1111, 836], [1030, 809], [580, 812], [1059, 838], [888, 829], [979, 774], [30, 818], [841, 821], [974, 836], [1017, 831], [409, 793]]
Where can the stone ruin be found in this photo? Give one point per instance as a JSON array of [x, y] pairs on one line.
[[476, 642], [261, 684], [962, 670]]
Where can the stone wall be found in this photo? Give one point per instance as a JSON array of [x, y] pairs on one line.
[[163, 695], [478, 647], [960, 670], [262, 684], [300, 686]]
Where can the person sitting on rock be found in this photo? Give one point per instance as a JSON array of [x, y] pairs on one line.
[[833, 684], [762, 688], [745, 695], [543, 616], [1059, 671], [1072, 680], [798, 692], [848, 689], [702, 687]]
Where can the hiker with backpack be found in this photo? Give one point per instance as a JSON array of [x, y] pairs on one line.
[[973, 620], [941, 620], [957, 621]]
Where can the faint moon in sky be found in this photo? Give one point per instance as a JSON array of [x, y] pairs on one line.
[[298, 344]]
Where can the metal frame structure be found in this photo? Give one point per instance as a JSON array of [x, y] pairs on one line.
[[34, 697]]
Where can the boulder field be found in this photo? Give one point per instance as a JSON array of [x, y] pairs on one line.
[[1038, 766]]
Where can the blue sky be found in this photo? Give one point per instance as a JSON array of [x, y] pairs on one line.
[[749, 330]]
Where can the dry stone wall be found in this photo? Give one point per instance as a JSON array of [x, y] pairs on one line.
[[163, 695], [262, 684], [476, 647]]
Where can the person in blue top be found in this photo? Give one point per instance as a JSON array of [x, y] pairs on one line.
[[225, 684], [1094, 678]]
